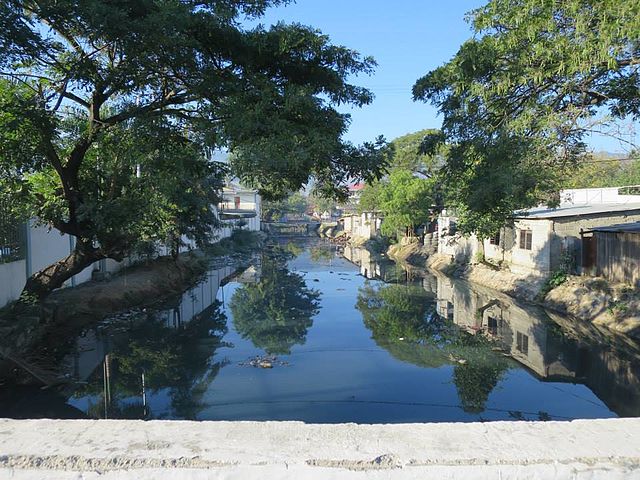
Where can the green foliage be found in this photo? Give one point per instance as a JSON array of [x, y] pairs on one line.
[[274, 210], [406, 201], [322, 204], [519, 98], [557, 277], [93, 91], [618, 307], [407, 194], [408, 153], [275, 313], [601, 171]]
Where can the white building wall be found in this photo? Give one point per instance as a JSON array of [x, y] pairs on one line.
[[536, 261], [366, 225], [595, 196], [12, 278], [46, 246], [458, 247]]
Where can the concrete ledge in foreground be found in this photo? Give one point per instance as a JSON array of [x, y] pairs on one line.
[[111, 449]]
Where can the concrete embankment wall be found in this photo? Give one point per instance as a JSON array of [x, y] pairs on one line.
[[92, 449]]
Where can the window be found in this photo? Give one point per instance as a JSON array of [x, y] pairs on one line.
[[526, 236], [522, 343], [495, 240]]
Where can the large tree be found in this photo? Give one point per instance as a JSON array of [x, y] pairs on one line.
[[519, 98], [405, 200], [101, 99], [407, 194]]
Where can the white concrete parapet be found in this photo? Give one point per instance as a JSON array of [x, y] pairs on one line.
[[108, 449]]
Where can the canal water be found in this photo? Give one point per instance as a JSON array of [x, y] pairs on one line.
[[320, 334]]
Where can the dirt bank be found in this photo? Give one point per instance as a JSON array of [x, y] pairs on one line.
[[615, 306], [137, 286], [409, 250]]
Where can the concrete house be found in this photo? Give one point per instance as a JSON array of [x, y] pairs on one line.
[[365, 225], [239, 204], [542, 238]]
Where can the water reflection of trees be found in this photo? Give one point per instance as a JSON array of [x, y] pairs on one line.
[[322, 253], [275, 313], [152, 363], [403, 321]]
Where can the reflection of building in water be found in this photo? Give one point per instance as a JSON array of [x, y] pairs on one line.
[[90, 350], [372, 267], [94, 345], [251, 274], [363, 259], [529, 336], [197, 299]]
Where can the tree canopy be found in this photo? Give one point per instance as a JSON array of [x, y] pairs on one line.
[[405, 200], [407, 153], [407, 193], [104, 102], [274, 210], [604, 171], [519, 98]]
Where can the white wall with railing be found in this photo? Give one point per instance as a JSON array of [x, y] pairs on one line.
[[599, 196], [44, 247]]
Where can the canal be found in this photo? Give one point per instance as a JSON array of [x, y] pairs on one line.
[[321, 334]]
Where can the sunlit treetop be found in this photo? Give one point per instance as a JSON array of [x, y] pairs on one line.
[[518, 99]]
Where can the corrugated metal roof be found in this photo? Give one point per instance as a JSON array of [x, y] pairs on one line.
[[633, 227], [577, 210]]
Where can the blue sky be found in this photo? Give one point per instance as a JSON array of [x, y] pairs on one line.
[[407, 38]]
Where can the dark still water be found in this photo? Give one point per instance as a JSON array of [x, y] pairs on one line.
[[309, 333]]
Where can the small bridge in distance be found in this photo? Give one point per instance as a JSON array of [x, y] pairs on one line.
[[290, 228]]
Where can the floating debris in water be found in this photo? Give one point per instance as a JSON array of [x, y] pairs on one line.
[[267, 361], [461, 361]]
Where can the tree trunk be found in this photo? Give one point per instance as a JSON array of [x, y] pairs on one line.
[[42, 283]]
